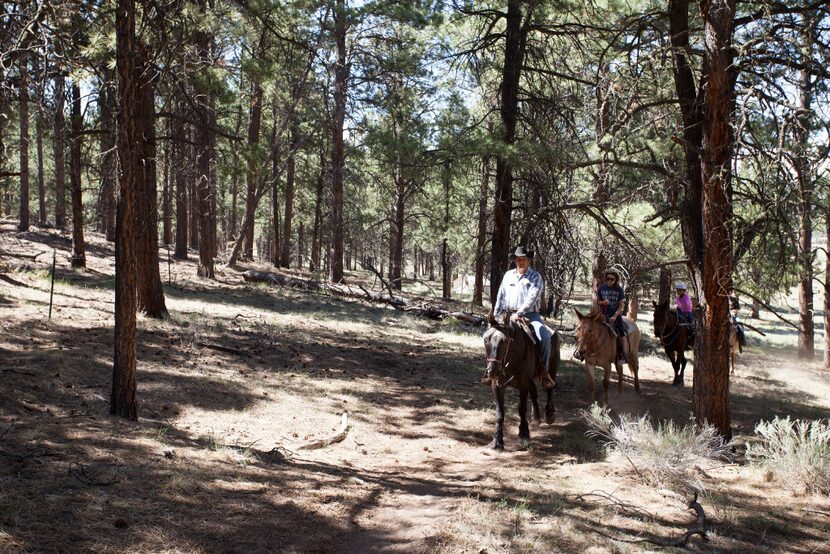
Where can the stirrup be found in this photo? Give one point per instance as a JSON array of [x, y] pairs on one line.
[[547, 381]]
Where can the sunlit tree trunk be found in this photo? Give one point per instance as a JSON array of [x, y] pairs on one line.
[[180, 178], [710, 398], [106, 100]]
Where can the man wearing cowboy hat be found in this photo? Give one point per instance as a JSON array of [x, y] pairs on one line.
[[521, 293]]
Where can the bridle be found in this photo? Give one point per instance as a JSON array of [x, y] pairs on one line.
[[591, 339], [502, 363]]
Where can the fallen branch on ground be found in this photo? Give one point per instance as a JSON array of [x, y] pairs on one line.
[[337, 437], [221, 348]]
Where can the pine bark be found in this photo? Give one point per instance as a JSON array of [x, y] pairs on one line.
[[180, 178], [481, 241], [710, 397], [60, 152], [150, 292], [317, 231], [341, 78], [123, 397], [446, 266], [23, 223], [78, 246], [252, 175], [41, 177], [204, 154], [288, 199], [503, 194], [107, 205], [806, 185], [167, 197]]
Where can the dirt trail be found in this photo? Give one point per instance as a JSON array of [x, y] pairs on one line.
[[240, 375]]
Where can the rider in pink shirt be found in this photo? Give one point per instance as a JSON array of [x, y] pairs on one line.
[[684, 302]]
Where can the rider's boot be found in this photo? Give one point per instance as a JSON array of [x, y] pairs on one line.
[[544, 375]]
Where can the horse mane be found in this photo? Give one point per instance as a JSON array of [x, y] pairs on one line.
[[595, 314]]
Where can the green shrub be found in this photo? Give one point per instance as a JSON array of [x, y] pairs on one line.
[[664, 455], [798, 452]]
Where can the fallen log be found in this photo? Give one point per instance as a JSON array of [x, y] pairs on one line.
[[425, 309]]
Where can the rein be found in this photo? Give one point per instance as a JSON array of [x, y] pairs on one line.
[[675, 332]]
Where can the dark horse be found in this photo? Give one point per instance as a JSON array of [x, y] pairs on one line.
[[674, 336], [511, 361]]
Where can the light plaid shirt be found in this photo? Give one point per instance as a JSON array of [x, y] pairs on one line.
[[520, 293]]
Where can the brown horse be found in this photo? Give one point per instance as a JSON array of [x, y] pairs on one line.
[[597, 345], [674, 336], [511, 361]]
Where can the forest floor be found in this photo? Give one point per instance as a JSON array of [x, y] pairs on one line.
[[240, 375]]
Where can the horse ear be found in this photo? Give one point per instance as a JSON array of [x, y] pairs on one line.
[[655, 304], [579, 315]]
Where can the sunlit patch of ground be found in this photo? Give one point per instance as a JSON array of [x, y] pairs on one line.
[[241, 376]]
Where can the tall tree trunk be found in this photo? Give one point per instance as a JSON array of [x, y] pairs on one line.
[[691, 111], [300, 244], [710, 397], [150, 292], [317, 230], [41, 177], [288, 200], [481, 241], [60, 149], [398, 221], [341, 80], [23, 224], [123, 398], [275, 211], [78, 247], [513, 58], [827, 284], [179, 159], [806, 185], [167, 197], [446, 266], [664, 294], [106, 100], [204, 160], [252, 175]]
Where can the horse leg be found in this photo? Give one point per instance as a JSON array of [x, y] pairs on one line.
[[606, 382], [498, 438], [618, 366], [589, 375], [534, 402], [524, 428], [550, 408], [681, 361], [634, 366], [674, 358]]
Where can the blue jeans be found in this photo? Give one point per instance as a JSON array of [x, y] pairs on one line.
[[542, 334]]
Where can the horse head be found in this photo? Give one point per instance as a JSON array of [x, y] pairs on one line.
[[497, 340], [585, 329], [661, 312]]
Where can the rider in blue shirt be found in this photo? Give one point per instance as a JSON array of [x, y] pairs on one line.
[[521, 292]]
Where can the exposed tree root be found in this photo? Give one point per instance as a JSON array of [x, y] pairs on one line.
[[337, 437]]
